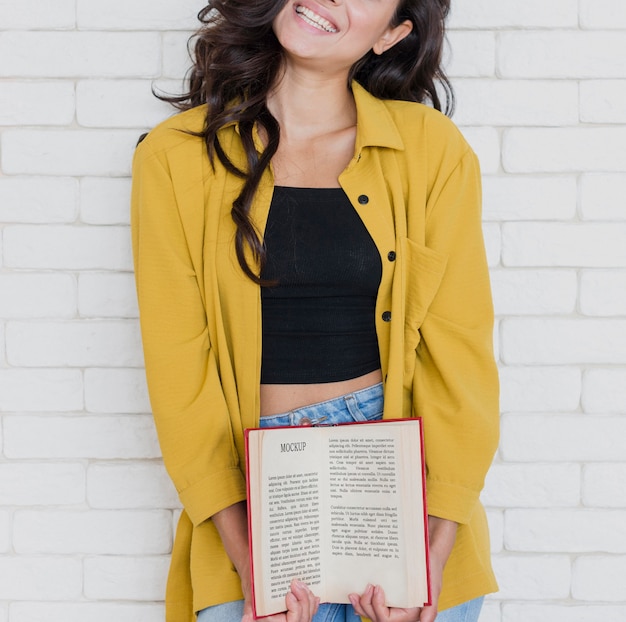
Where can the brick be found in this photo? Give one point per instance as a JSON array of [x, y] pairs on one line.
[[42, 484], [40, 578], [602, 197], [490, 612], [97, 103], [491, 233], [68, 152], [532, 578], [564, 150], [539, 389], [91, 437], [599, 578], [603, 101], [176, 61], [125, 578], [130, 486], [563, 341], [37, 295], [511, 14], [105, 201], [35, 14], [57, 390], [79, 54], [602, 14], [497, 102], [2, 351], [137, 15], [116, 391], [36, 103], [38, 200], [67, 247], [604, 485], [523, 612], [604, 391], [92, 532], [534, 292], [603, 293], [561, 54], [587, 531], [486, 143], [81, 611], [593, 245], [5, 536], [532, 486], [496, 339], [562, 438], [529, 197], [85, 343], [107, 295], [496, 530], [470, 54]]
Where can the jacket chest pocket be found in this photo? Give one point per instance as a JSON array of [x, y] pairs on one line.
[[423, 270]]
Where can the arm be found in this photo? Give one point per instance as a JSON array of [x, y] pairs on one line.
[[455, 384], [188, 404]]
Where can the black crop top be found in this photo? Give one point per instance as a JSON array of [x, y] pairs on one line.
[[319, 319]]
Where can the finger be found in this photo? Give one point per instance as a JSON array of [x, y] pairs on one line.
[[365, 603], [307, 601], [428, 614], [294, 608], [378, 603]]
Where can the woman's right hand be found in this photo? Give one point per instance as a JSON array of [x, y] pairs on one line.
[[301, 604]]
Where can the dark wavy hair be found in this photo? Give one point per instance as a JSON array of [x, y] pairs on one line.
[[238, 59]]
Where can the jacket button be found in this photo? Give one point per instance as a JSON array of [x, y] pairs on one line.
[[391, 255], [387, 316], [363, 199]]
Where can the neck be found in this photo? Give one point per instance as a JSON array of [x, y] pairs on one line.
[[307, 105]]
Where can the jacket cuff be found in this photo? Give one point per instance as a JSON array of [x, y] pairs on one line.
[[450, 501], [212, 494]]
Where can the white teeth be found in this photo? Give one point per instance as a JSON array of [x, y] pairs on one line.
[[314, 19]]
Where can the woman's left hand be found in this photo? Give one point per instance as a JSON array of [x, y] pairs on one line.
[[371, 603]]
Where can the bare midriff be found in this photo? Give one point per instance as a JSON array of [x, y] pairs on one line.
[[281, 398]]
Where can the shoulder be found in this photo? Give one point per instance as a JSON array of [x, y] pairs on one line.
[[425, 129], [174, 136]]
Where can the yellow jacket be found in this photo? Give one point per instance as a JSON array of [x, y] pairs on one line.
[[415, 183]]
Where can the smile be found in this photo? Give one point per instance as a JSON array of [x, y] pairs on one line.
[[315, 20]]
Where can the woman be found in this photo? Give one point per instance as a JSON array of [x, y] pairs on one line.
[[367, 277]]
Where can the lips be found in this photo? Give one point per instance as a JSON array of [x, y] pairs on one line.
[[315, 20]]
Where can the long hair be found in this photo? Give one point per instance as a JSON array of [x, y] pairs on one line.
[[238, 59]]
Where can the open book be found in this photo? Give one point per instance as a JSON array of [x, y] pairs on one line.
[[338, 507]]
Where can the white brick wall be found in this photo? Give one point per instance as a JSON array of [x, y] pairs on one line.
[[86, 508]]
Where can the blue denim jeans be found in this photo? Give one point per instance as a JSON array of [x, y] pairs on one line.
[[233, 611], [363, 405]]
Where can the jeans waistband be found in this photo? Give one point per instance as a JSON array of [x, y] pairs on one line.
[[362, 405]]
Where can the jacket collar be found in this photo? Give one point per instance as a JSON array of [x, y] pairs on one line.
[[375, 126]]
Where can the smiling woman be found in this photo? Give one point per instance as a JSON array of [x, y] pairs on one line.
[[307, 239]]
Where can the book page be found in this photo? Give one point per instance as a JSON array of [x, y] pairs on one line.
[[289, 546], [331, 505], [373, 494]]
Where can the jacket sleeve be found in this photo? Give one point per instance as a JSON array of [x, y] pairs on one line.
[[455, 386], [187, 400]]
